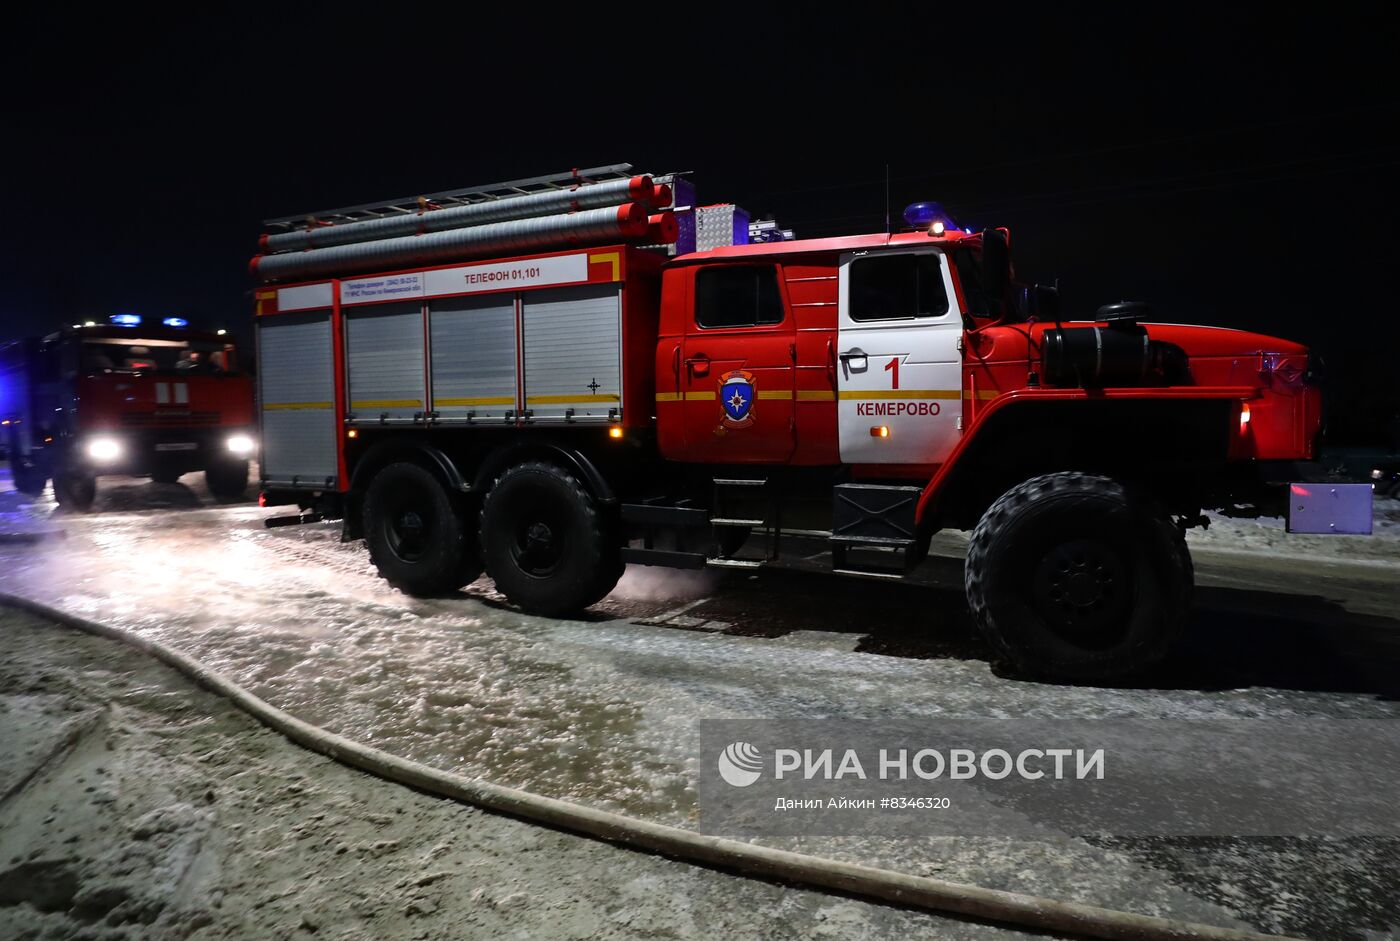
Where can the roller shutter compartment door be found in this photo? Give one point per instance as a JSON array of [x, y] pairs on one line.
[[384, 362], [473, 356], [296, 386], [573, 353]]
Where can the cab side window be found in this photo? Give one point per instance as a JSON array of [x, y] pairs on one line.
[[897, 287], [737, 296]]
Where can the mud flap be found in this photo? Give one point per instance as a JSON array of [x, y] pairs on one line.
[[1329, 509]]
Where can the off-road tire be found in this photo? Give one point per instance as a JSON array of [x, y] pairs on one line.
[[546, 543], [226, 480], [75, 491], [1073, 577], [414, 533]]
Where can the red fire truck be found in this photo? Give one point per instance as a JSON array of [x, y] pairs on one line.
[[536, 380], [125, 398]]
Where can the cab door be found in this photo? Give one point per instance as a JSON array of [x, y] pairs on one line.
[[899, 370], [736, 370]]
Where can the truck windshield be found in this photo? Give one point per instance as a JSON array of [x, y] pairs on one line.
[[158, 356]]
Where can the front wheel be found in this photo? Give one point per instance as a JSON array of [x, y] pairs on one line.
[[226, 480], [29, 480], [546, 543], [75, 490], [414, 533], [1069, 576]]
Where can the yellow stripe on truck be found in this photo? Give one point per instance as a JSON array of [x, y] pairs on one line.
[[567, 399], [293, 406], [688, 396], [480, 400]]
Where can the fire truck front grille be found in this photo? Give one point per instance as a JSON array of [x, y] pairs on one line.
[[180, 419]]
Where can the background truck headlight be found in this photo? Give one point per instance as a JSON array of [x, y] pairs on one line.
[[242, 445], [104, 449]]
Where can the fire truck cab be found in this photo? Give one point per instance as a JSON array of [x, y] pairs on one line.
[[125, 398], [552, 394]]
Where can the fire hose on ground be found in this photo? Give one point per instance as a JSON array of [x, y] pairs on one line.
[[866, 882]]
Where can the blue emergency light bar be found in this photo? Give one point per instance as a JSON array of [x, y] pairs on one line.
[[925, 216], [125, 320], [175, 322]]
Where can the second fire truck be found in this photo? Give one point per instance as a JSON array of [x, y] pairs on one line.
[[125, 397], [543, 379]]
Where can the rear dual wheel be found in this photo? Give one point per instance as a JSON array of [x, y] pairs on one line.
[[415, 534], [1069, 576], [547, 544]]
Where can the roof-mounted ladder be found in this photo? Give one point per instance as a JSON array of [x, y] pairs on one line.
[[457, 197]]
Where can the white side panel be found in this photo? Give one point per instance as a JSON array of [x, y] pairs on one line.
[[305, 297], [384, 361], [496, 276], [573, 353], [473, 353], [296, 382]]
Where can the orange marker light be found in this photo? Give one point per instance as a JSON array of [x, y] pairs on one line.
[[614, 432], [880, 431], [353, 433], [1244, 417]]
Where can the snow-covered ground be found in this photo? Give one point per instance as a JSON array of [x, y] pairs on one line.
[[603, 710], [1267, 536], [138, 807]]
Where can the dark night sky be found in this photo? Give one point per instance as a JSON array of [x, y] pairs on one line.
[[1227, 167]]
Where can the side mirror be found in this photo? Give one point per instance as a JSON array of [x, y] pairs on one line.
[[996, 267], [1045, 303]]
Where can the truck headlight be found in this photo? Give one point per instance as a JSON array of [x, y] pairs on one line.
[[1377, 474], [241, 445], [104, 449]]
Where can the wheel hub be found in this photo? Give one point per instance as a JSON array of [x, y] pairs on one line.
[[406, 533], [1082, 587], [539, 544], [539, 535]]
